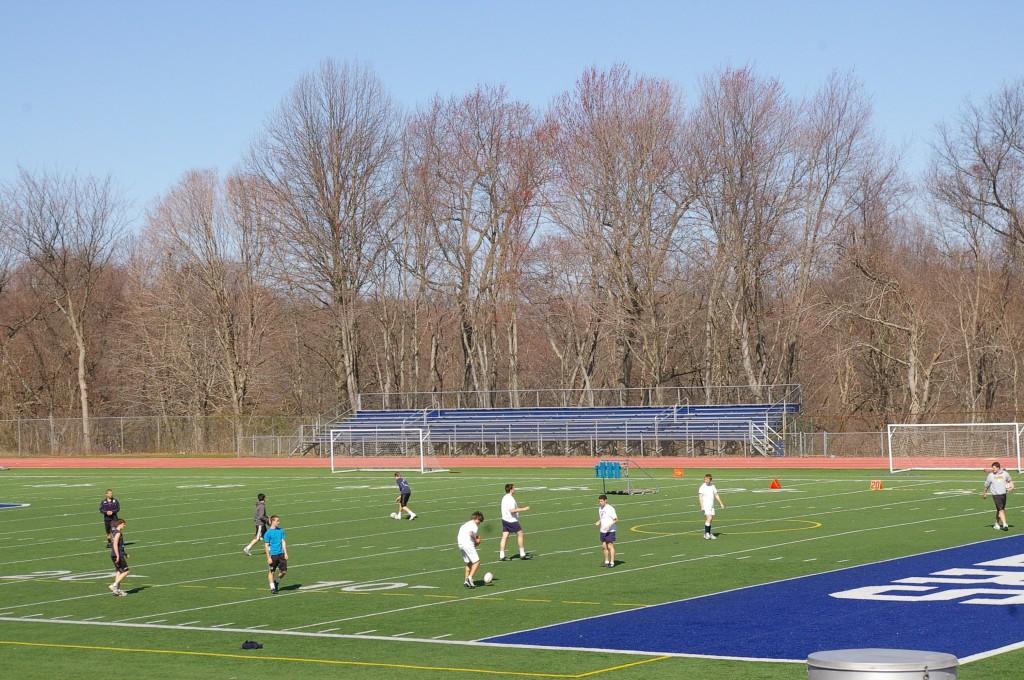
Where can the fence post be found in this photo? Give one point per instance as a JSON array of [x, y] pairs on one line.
[[122, 435], [19, 436], [825, 444]]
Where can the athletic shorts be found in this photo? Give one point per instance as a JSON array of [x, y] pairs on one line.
[[1000, 501], [278, 562], [469, 555], [709, 511], [260, 528], [121, 565], [607, 536], [404, 500], [511, 527], [108, 521]]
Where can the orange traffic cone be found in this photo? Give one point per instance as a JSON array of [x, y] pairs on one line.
[[775, 484]]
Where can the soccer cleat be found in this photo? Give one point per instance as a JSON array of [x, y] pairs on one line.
[[247, 551], [1006, 527], [503, 559], [469, 584], [120, 593], [707, 537], [527, 556], [112, 588], [996, 526], [412, 516], [712, 537]]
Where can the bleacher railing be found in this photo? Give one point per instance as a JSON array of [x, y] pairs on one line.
[[634, 396]]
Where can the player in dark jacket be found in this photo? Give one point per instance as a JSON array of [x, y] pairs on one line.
[[109, 507]]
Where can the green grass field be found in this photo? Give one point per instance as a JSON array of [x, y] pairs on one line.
[[399, 584]]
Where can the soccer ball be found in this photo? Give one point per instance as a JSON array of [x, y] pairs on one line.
[[488, 577], [395, 515]]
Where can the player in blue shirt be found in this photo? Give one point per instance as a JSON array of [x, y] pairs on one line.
[[404, 493], [109, 507], [277, 552]]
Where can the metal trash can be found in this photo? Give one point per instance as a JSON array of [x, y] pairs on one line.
[[881, 664]]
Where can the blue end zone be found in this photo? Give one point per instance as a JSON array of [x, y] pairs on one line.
[[971, 609]]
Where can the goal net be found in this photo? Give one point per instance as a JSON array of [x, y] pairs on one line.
[[954, 446], [379, 448]]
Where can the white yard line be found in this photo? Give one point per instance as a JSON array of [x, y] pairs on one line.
[[222, 625], [365, 632]]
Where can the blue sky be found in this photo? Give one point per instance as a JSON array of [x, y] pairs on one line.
[[144, 91]]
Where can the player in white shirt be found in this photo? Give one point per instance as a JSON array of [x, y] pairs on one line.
[[606, 524], [998, 483], [510, 522], [468, 540], [707, 495]]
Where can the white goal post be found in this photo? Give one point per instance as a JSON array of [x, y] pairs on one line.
[[954, 446], [381, 448]]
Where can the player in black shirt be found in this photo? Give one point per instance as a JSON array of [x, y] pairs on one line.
[[118, 556]]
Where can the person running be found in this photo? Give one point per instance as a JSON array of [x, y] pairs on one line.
[[706, 496], [260, 519], [118, 556], [404, 493], [606, 524], [276, 548], [468, 540], [510, 523], [109, 507], [998, 483]]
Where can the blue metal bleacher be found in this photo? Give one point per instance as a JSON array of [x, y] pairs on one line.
[[684, 423]]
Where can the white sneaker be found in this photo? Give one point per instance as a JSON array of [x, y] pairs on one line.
[[707, 537], [712, 537], [996, 526], [246, 551], [112, 588], [412, 515], [120, 593]]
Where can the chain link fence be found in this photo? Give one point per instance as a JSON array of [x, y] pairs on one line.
[[151, 435]]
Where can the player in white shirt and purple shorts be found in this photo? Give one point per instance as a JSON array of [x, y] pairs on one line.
[[707, 495], [510, 522], [606, 524]]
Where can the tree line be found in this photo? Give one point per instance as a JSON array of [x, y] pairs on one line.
[[628, 235]]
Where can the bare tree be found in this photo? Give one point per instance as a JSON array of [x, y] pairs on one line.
[[66, 228], [215, 236], [618, 191], [474, 171], [326, 159], [979, 166]]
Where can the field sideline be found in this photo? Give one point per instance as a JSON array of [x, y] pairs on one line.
[[376, 598]]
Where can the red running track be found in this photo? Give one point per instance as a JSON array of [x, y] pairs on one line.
[[703, 463]]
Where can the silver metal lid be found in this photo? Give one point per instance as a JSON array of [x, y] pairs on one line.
[[881, 660]]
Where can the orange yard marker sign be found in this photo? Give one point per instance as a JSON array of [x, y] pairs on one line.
[[775, 484], [677, 472], [876, 485]]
